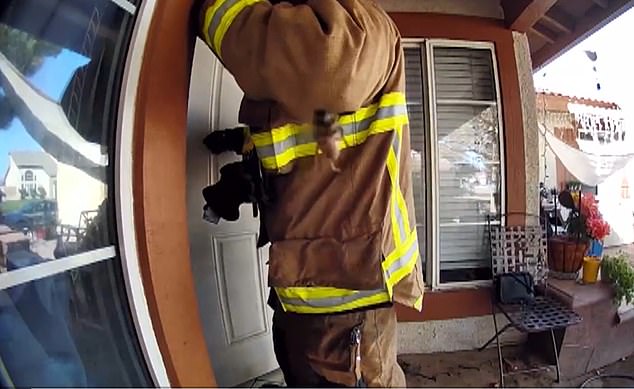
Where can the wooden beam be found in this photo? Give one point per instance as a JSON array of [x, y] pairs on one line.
[[583, 28], [521, 15], [559, 19], [544, 32]]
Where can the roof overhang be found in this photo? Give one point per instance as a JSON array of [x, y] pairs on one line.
[[554, 26]]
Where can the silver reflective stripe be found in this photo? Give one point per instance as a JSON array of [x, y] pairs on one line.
[[381, 113], [396, 142], [403, 260], [306, 138], [399, 220], [330, 301], [217, 19], [303, 137]]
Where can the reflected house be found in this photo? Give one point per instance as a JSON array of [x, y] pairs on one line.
[[31, 171], [79, 183]]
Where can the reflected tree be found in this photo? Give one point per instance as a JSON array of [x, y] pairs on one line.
[[27, 54]]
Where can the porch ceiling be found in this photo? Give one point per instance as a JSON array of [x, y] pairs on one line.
[[553, 26]]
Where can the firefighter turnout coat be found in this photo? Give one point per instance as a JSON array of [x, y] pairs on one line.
[[339, 241]]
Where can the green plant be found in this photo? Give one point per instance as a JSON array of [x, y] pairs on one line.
[[618, 270]]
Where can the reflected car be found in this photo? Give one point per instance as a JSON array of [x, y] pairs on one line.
[[39, 213]]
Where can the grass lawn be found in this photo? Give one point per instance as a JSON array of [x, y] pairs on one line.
[[12, 205]]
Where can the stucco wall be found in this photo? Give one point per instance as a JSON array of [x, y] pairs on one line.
[[76, 192], [451, 335], [529, 114], [482, 8]]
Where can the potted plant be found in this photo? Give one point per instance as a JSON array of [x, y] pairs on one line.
[[584, 225], [618, 270]]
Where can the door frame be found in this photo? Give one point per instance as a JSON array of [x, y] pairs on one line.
[[151, 198]]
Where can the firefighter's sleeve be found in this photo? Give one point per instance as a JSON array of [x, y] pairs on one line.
[[303, 57]]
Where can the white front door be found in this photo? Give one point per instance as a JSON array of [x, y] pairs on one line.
[[229, 271]]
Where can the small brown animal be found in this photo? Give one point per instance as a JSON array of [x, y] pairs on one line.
[[328, 133]]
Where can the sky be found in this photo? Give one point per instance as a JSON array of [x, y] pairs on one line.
[[52, 79], [572, 73]]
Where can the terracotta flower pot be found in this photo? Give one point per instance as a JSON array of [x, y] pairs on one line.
[[565, 256]]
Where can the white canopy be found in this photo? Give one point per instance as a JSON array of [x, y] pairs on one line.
[[590, 169], [46, 122]]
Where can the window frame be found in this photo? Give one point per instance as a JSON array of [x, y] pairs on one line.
[[432, 238]]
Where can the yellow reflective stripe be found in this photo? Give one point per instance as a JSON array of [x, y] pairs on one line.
[[219, 17], [315, 292], [400, 250], [404, 270], [377, 127], [387, 100], [278, 134], [407, 251], [282, 133], [392, 169], [209, 15], [400, 199], [378, 298], [227, 19], [278, 161], [418, 305]]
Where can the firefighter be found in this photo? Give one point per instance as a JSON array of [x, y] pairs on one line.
[[344, 246]]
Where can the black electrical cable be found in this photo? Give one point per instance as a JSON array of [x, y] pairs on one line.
[[611, 376]]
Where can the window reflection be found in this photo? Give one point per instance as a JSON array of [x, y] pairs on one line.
[[60, 75], [470, 188], [469, 163], [57, 93]]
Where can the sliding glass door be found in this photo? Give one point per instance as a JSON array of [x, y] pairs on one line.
[[64, 313]]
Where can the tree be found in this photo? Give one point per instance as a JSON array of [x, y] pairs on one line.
[[41, 192], [27, 54], [23, 194]]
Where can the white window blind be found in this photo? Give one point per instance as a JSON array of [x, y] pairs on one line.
[[465, 129], [468, 158]]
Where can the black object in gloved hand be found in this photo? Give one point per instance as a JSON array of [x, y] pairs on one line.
[[235, 187], [231, 139]]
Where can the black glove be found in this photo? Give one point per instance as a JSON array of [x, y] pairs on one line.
[[235, 187], [231, 139]]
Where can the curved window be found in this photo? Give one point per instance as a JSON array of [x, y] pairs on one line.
[[64, 313]]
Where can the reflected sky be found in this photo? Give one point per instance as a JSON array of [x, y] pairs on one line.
[[51, 79]]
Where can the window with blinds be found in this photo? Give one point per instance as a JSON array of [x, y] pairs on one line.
[[462, 138]]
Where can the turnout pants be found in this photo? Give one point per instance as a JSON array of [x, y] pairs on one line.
[[338, 350]]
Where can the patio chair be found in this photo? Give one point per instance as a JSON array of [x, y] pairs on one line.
[[523, 248]]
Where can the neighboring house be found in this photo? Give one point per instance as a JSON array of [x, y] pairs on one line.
[[31, 171], [37, 169], [597, 128]]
